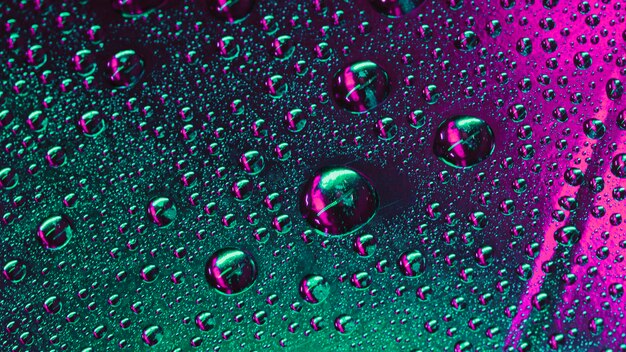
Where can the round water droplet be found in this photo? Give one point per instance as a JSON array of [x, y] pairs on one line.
[[582, 60], [594, 128], [282, 47], [614, 89], [130, 8], [231, 271], [14, 271], [162, 211], [618, 165], [56, 157], [55, 232], [125, 69], [91, 124], [229, 10], [338, 200], [463, 141], [568, 235], [252, 162], [205, 321], [8, 178], [467, 41], [152, 335], [361, 86], [364, 245], [52, 305], [345, 324], [395, 8], [149, 273], [412, 263], [314, 289]]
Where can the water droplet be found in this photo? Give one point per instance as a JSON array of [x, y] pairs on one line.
[[582, 60], [8, 178], [361, 86], [91, 123], [467, 41], [162, 211], [314, 289], [568, 235], [231, 11], [152, 335], [14, 271], [231, 271], [412, 263], [52, 305], [55, 232], [395, 8], [125, 69], [338, 200], [205, 321], [618, 165], [614, 89], [136, 7], [463, 141]]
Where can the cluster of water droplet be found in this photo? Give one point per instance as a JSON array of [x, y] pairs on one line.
[[370, 175]]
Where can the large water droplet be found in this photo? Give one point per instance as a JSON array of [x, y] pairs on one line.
[[136, 7], [14, 271], [231, 270], [125, 69], [395, 8], [161, 211], [361, 86], [412, 263], [231, 10], [463, 141], [618, 165], [55, 232], [314, 289], [338, 200]]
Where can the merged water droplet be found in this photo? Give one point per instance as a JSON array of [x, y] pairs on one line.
[[55, 232], [361, 86], [463, 141], [231, 271], [338, 200]]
